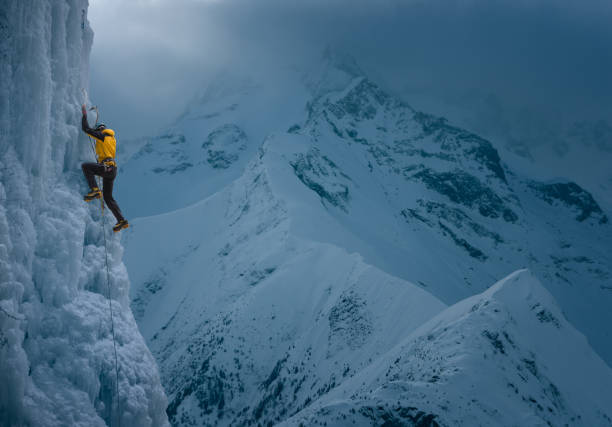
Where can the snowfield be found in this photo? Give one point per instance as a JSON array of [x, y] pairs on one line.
[[300, 269], [503, 357]]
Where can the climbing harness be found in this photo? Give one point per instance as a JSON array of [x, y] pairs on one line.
[[109, 161], [110, 305]]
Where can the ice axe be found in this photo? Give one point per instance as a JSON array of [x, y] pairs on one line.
[[92, 108]]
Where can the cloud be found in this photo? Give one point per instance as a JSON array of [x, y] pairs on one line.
[[547, 56]]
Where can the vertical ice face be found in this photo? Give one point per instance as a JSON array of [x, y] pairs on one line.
[[57, 361]]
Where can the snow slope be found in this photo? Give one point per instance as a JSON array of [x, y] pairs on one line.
[[503, 357], [236, 296], [297, 267], [418, 186], [540, 144], [209, 144], [57, 364]]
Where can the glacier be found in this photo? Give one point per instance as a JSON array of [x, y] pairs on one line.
[[57, 362], [307, 243]]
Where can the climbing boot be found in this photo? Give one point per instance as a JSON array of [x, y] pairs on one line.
[[120, 225], [95, 193]]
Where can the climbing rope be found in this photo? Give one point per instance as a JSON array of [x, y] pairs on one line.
[[12, 316], [110, 305]]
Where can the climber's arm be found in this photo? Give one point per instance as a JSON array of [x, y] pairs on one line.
[[89, 131]]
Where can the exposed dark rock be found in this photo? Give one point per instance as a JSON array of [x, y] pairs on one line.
[[467, 190], [224, 145], [398, 416], [462, 243], [546, 316], [484, 152], [362, 102], [322, 176], [573, 196], [453, 138], [256, 276], [493, 338], [349, 321], [458, 218], [220, 159], [179, 168], [294, 129]]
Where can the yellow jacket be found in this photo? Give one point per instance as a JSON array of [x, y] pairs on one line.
[[106, 147], [105, 140]]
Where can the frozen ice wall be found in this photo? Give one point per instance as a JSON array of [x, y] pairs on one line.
[[57, 361]]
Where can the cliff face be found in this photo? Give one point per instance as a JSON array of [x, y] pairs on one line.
[[57, 362]]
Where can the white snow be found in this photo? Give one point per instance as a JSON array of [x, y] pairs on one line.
[[234, 273], [267, 276], [503, 357]]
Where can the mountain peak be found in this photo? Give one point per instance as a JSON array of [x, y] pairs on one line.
[[342, 61], [512, 338], [335, 71]]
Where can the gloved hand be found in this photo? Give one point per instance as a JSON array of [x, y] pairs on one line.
[[84, 109]]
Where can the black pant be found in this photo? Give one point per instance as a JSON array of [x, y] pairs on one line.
[[108, 174]]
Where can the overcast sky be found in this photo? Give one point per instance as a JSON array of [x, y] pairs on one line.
[[516, 66]]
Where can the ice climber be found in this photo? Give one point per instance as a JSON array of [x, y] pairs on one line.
[[106, 168]]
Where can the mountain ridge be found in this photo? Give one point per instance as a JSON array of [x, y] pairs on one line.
[[423, 380], [356, 170]]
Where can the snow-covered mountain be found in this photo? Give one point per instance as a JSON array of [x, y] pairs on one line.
[[235, 295], [306, 225], [491, 359], [540, 143], [57, 358]]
